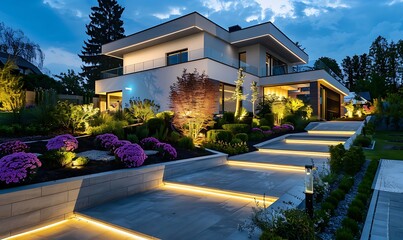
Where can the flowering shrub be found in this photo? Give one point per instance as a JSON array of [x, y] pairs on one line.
[[149, 142], [118, 143], [106, 140], [288, 127], [256, 129], [230, 148], [267, 133], [166, 150], [16, 167], [12, 147], [276, 129], [64, 142], [131, 155]]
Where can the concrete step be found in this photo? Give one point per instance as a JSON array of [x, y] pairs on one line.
[[243, 179], [282, 145], [278, 159], [316, 139]]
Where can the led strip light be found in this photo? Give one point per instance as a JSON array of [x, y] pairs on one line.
[[266, 166], [331, 132], [219, 193], [291, 152], [37, 229], [316, 142]]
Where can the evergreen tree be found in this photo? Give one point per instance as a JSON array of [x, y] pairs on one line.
[[328, 64], [105, 26], [71, 83]]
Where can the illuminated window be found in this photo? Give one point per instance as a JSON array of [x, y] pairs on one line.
[[242, 60], [180, 56]]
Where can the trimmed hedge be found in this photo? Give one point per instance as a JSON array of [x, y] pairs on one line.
[[215, 135], [242, 136], [236, 127]]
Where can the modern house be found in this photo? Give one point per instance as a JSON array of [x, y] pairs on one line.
[[155, 57]]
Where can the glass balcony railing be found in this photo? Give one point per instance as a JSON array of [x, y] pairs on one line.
[[192, 55]]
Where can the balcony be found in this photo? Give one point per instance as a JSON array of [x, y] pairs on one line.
[[192, 56]]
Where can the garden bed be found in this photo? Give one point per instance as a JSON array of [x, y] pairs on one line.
[[85, 144]]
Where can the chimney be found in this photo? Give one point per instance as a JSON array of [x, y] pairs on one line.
[[234, 28]]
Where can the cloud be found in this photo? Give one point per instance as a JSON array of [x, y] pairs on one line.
[[311, 12], [173, 11], [278, 8], [218, 5], [252, 18], [59, 60], [64, 8], [393, 2]]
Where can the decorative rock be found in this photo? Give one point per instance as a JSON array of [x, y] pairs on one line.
[[97, 155]]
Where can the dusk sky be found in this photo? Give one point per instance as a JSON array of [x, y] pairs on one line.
[[323, 27]]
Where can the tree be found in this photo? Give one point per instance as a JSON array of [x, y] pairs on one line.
[[31, 82], [15, 43], [105, 26], [328, 64], [71, 83], [193, 101], [238, 96], [254, 96], [356, 71], [142, 110], [12, 95]]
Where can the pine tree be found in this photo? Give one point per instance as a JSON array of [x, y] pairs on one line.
[[105, 26]]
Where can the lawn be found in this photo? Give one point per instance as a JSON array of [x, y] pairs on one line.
[[389, 145]]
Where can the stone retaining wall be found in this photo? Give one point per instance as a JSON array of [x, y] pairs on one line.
[[28, 207]]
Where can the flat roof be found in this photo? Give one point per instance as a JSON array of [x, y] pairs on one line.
[[266, 33]]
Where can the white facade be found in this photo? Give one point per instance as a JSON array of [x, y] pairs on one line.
[[208, 48]]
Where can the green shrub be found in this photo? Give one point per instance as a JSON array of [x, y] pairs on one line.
[[355, 213], [154, 124], [215, 135], [115, 127], [80, 161], [267, 235], [353, 160], [365, 188], [165, 115], [362, 197], [142, 131], [236, 127], [236, 141], [265, 128], [6, 130], [256, 136], [57, 159], [186, 142], [133, 138], [336, 154], [338, 194], [174, 137], [351, 224], [229, 117], [229, 148], [328, 207], [346, 183], [358, 203], [255, 122], [321, 218], [242, 136], [333, 200], [344, 234], [362, 141], [270, 119], [264, 122]]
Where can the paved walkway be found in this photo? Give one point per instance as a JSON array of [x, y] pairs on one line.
[[209, 210], [384, 218]]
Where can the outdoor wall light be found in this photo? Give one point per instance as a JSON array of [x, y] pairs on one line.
[[128, 88], [309, 189]]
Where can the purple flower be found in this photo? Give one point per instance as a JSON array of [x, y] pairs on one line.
[[268, 132], [132, 155], [12, 147], [16, 167], [117, 144], [64, 142], [149, 142], [166, 150], [276, 129], [256, 129], [106, 140], [288, 127]]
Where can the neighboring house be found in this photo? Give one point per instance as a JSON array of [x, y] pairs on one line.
[[23, 65], [155, 57]]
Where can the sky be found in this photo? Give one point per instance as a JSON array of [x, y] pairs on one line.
[[334, 29]]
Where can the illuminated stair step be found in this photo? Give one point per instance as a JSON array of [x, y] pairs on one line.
[[293, 152], [112, 227], [331, 132], [313, 141], [267, 166], [219, 193]]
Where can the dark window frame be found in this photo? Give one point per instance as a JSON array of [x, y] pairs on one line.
[[183, 55]]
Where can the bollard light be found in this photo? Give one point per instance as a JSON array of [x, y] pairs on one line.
[[309, 189]]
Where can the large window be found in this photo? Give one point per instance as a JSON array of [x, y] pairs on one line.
[[268, 64], [180, 56], [279, 67], [226, 103], [242, 60]]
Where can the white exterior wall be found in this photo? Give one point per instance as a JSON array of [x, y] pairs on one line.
[[220, 49], [155, 56], [155, 84]]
